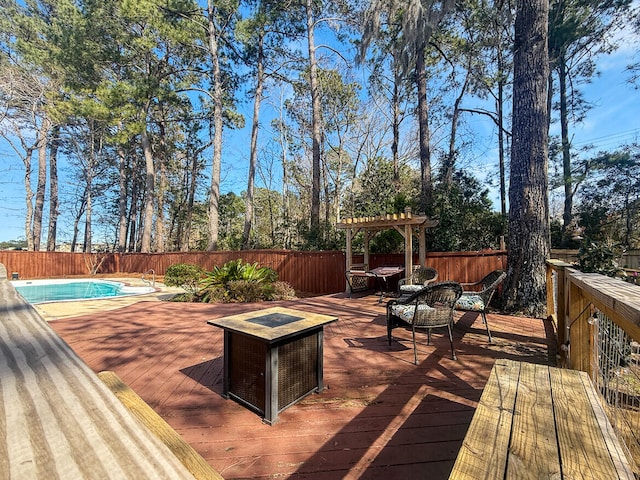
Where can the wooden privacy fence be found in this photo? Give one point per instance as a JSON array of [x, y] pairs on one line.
[[455, 266], [629, 259], [309, 272]]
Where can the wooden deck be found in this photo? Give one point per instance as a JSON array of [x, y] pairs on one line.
[[381, 416]]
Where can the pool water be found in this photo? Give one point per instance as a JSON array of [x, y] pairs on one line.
[[40, 291]]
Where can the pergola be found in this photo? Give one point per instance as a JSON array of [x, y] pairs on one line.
[[406, 223]]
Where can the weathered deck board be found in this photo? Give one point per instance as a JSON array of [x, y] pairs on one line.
[[494, 418], [548, 423], [57, 420], [533, 448], [582, 442], [200, 469]]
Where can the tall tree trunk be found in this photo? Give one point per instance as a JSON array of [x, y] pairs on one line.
[[284, 147], [217, 98], [193, 183], [160, 238], [316, 138], [253, 155], [395, 106], [567, 178], [122, 200], [92, 161], [133, 218], [528, 244], [139, 221], [426, 187], [76, 221], [449, 165], [327, 202], [53, 190], [28, 197], [149, 197], [133, 230], [272, 219], [501, 155], [38, 211], [87, 244]]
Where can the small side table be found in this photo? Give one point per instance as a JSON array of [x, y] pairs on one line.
[[382, 274], [272, 358]]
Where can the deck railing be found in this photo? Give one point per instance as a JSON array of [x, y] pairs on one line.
[[598, 324]]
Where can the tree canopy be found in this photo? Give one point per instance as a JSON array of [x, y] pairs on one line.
[[128, 120]]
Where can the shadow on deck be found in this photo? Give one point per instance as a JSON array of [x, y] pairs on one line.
[[380, 416]]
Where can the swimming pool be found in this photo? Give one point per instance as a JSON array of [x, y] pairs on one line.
[[41, 291]]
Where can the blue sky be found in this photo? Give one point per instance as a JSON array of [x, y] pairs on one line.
[[12, 202], [613, 121]]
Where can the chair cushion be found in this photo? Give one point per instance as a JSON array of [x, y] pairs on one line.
[[405, 312], [411, 288], [470, 302]]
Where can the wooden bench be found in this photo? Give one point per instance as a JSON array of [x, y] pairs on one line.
[[191, 459], [535, 421]]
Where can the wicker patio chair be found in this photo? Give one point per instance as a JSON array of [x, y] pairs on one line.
[[473, 300], [420, 278], [431, 307], [357, 280]]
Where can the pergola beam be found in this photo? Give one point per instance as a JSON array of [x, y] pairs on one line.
[[406, 223]]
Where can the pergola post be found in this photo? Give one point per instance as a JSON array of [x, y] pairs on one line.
[[422, 245], [367, 239], [348, 257], [408, 251], [349, 236]]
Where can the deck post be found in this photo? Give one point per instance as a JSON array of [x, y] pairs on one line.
[[348, 259], [557, 305], [579, 330]]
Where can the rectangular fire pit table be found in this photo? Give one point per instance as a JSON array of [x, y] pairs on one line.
[[272, 358]]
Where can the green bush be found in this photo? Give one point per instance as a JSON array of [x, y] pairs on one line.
[[214, 294], [185, 275], [600, 258], [282, 291], [246, 291], [184, 297]]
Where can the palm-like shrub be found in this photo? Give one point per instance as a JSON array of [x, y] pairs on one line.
[[236, 281]]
